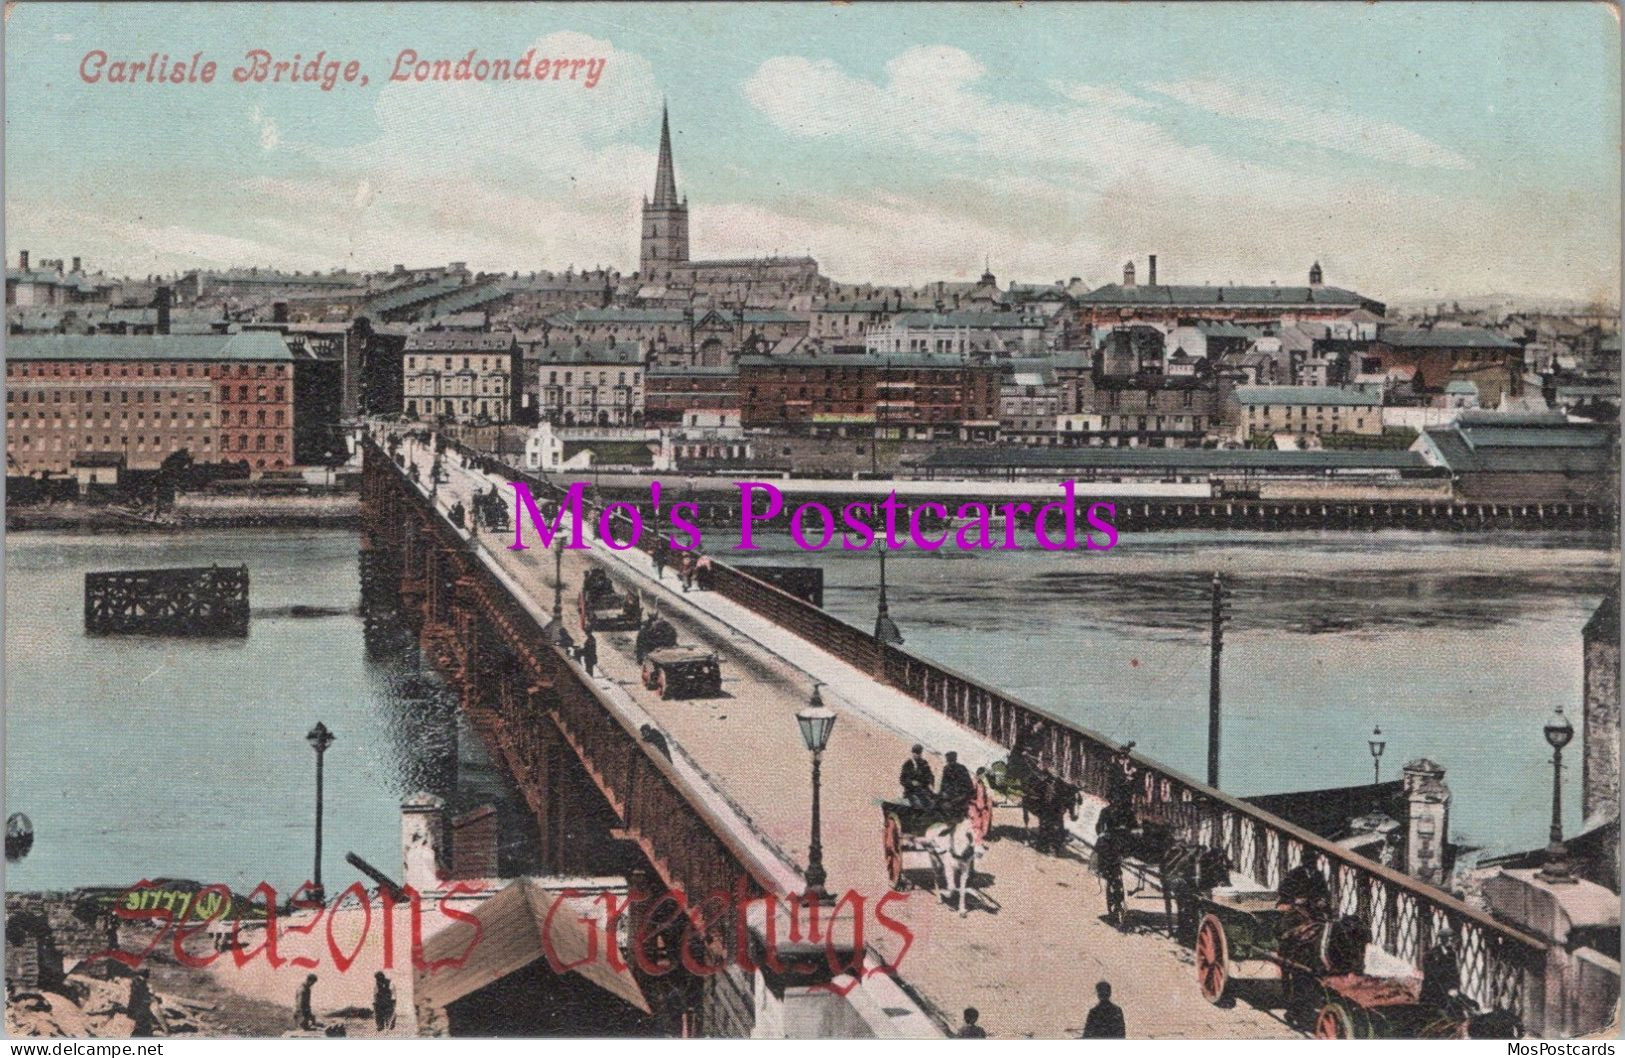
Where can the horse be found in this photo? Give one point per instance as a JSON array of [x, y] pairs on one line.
[[954, 851], [1189, 870], [1118, 840], [1051, 801]]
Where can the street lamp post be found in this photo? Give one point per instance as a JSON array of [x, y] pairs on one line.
[[1377, 744], [319, 738], [558, 585], [886, 629], [1559, 732], [816, 723]]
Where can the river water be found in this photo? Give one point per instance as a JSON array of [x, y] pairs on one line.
[[145, 757], [1458, 646], [142, 756]]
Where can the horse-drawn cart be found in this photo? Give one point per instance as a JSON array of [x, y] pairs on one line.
[[903, 838], [1331, 979], [602, 607], [947, 840], [682, 672]]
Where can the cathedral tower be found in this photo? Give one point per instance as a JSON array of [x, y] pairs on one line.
[[665, 218]]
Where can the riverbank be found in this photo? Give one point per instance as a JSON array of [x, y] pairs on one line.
[[193, 511], [57, 990]]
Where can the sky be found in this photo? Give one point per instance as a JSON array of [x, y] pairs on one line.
[[1416, 150]]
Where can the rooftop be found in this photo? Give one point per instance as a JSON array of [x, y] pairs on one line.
[[972, 320], [872, 361], [1171, 459], [1308, 395], [1520, 444], [1208, 296], [248, 345], [458, 342], [1443, 338]]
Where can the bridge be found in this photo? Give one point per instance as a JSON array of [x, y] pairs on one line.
[[714, 796]]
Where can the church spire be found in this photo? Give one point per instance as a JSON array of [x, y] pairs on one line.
[[665, 178]]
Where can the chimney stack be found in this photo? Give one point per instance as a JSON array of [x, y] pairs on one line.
[[160, 300], [1151, 271], [1128, 274], [22, 260], [279, 312], [76, 268]]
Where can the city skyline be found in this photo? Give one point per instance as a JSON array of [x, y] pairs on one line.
[[1460, 165]]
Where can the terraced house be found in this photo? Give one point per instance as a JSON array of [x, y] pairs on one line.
[[460, 376]]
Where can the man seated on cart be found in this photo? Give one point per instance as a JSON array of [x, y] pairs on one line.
[[954, 796], [917, 779]]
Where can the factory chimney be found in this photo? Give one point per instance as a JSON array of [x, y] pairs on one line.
[[1151, 271], [76, 264], [1128, 274], [22, 260]]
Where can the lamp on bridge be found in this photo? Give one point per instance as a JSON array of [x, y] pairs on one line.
[[319, 738], [558, 588], [1377, 744], [885, 628], [816, 722], [1559, 732]]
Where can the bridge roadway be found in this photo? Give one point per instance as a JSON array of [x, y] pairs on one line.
[[1034, 943]]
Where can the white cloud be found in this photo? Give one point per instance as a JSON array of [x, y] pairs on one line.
[[1333, 129]]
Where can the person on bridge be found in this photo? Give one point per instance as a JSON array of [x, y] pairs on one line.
[[661, 554], [971, 1030], [917, 778], [1113, 828], [589, 652], [303, 1016], [1105, 1020], [957, 787], [383, 1002]]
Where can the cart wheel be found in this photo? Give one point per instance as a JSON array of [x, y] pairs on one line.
[[981, 812], [1334, 1022], [892, 843], [1212, 959]]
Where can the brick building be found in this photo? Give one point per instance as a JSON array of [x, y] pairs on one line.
[[1144, 408], [1442, 355], [222, 398], [904, 397], [673, 393]]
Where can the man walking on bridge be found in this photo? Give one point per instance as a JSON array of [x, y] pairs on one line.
[[589, 652]]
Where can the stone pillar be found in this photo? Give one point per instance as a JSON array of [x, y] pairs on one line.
[[1428, 832], [423, 841], [1599, 775]]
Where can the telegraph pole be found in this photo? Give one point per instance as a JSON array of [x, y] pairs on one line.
[[1221, 610]]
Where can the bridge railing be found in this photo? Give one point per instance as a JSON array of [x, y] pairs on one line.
[[1501, 967]]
